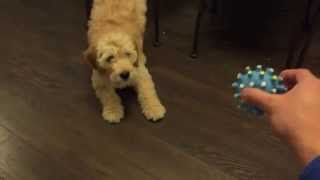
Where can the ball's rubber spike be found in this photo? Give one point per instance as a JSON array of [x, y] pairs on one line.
[[274, 91], [239, 75], [270, 70], [274, 78], [259, 67], [263, 84], [234, 85]]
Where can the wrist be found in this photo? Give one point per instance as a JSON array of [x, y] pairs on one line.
[[307, 151]]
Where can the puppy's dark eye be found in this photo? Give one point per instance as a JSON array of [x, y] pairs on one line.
[[109, 59]]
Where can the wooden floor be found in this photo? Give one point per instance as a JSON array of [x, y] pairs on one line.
[[50, 122]]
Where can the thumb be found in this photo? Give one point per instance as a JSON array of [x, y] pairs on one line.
[[258, 98]]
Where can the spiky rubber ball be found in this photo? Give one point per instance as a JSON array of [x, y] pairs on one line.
[[261, 78]]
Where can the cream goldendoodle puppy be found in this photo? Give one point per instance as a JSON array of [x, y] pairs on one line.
[[116, 32]]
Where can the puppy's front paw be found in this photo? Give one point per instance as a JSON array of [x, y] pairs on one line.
[[112, 116], [154, 113]]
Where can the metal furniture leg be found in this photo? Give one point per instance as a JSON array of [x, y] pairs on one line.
[[304, 36], [202, 8], [309, 37], [156, 23]]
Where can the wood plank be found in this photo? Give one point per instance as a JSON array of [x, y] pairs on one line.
[[106, 145], [19, 160]]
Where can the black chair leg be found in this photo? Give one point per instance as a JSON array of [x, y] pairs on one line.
[[305, 35], [88, 7], [156, 23], [309, 37], [202, 8], [304, 51], [294, 46]]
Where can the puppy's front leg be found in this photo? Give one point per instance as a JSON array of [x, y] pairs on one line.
[[112, 109], [148, 98], [111, 102]]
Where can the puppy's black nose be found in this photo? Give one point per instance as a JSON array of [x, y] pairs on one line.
[[125, 75]]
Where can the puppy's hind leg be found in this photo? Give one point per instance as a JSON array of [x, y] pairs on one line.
[[112, 109], [148, 98]]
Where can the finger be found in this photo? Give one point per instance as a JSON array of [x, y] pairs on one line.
[[258, 98], [296, 75]]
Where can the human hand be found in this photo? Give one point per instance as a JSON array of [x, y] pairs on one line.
[[294, 116]]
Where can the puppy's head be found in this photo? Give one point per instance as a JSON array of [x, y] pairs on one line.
[[114, 56]]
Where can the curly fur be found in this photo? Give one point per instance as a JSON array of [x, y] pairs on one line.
[[115, 52]]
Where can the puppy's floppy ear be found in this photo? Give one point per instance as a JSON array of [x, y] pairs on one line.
[[90, 57]]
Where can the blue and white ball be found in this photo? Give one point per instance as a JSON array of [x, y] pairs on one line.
[[264, 79]]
